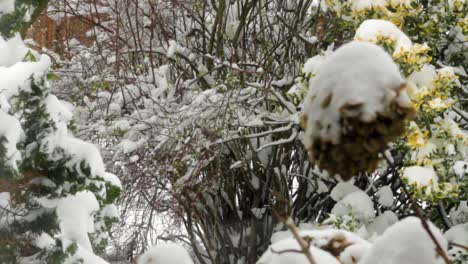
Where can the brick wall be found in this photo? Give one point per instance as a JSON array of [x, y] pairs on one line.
[[55, 35]]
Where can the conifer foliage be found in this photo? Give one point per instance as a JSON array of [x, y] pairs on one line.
[[56, 199]]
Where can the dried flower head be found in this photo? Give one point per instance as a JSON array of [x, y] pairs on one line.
[[356, 105]]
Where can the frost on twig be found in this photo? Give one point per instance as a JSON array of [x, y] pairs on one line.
[[356, 104]]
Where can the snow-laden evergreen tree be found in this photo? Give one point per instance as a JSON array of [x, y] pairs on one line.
[[56, 198]]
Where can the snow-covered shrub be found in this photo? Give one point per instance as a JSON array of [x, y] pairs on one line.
[[433, 150], [197, 104]]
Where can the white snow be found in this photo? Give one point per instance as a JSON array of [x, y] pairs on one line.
[[457, 234], [78, 150], [13, 49], [406, 242], [319, 238], [385, 196], [60, 112], [342, 189], [75, 213], [423, 152], [4, 204], [10, 128], [174, 48], [357, 74], [400, 2], [312, 65], [452, 3], [424, 77], [366, 4], [122, 124], [258, 212], [438, 103], [358, 203], [460, 168], [421, 176], [231, 28], [285, 81], [112, 179], [127, 146], [133, 158], [7, 6], [84, 256], [446, 72], [43, 181], [114, 109], [450, 149], [321, 187], [16, 76], [452, 128], [165, 253], [44, 240], [4, 199], [370, 29], [110, 210], [354, 253], [382, 222], [459, 215], [318, 3]]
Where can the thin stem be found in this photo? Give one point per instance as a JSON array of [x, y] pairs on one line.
[[440, 251], [287, 220], [453, 244]]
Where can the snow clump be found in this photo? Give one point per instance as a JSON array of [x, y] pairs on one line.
[[327, 247], [373, 29], [421, 176], [165, 253], [406, 242], [403, 242]]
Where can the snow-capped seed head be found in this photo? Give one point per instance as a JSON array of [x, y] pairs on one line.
[[356, 104]]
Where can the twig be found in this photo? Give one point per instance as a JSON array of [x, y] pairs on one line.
[[280, 142], [256, 135], [302, 243], [286, 251], [440, 251], [441, 208], [459, 73], [453, 244]]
